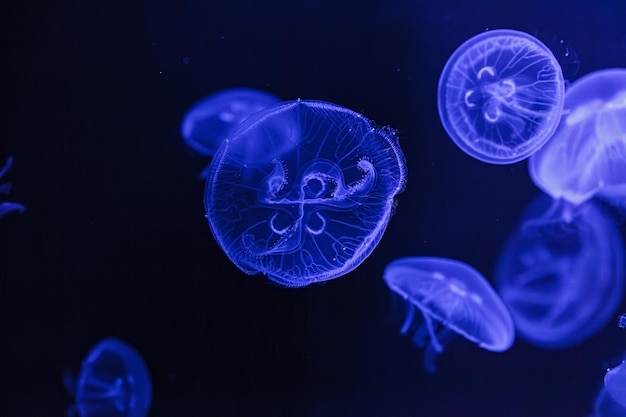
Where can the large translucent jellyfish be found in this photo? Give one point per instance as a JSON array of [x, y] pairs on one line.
[[587, 155], [561, 273], [501, 95], [113, 382], [615, 383], [453, 298], [303, 191], [209, 121], [7, 207]]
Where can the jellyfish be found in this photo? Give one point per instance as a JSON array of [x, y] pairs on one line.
[[561, 277], [587, 156], [303, 191], [615, 383], [500, 96], [210, 120], [606, 406], [113, 382], [7, 207], [454, 298], [621, 321]]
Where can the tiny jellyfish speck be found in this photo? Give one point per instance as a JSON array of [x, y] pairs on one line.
[[621, 321], [209, 121], [303, 191], [586, 157], [113, 382], [454, 298], [501, 95], [7, 207], [615, 383]]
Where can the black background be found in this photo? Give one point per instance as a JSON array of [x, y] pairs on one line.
[[114, 241]]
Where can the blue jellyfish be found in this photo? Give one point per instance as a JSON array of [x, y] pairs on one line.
[[210, 120], [453, 298], [561, 277], [587, 155], [113, 382], [606, 406], [615, 384], [621, 321], [500, 96], [303, 191], [8, 207]]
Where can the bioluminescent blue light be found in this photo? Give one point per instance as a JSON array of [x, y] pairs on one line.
[[210, 120], [453, 298], [113, 382], [615, 383], [500, 96], [303, 191], [621, 321], [7, 207], [561, 273], [587, 155]]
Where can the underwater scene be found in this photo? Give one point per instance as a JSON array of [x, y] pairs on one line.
[[318, 208]]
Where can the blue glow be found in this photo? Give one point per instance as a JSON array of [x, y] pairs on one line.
[[500, 96], [606, 406], [209, 121], [303, 191], [113, 382], [7, 207], [587, 155], [615, 383], [453, 298], [621, 321], [561, 273]]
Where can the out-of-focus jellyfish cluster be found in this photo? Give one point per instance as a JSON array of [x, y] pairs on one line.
[[113, 382], [7, 207], [453, 298]]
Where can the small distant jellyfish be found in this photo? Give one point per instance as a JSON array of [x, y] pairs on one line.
[[615, 384], [209, 121], [500, 96], [561, 273], [303, 191], [621, 321], [454, 298], [586, 157], [113, 382], [7, 207]]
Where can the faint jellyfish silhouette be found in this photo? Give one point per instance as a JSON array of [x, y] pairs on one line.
[[303, 191], [587, 155], [7, 207], [113, 382], [453, 298], [615, 383], [500, 96], [621, 321], [211, 119], [562, 278], [606, 406]]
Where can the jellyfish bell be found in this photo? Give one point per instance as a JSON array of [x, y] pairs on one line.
[[454, 298], [586, 157], [303, 191], [113, 382], [210, 120], [500, 96], [615, 383]]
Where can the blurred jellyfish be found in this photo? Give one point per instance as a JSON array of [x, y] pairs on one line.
[[621, 321], [561, 277], [113, 382], [606, 406], [303, 191], [500, 96], [7, 207], [615, 383], [587, 155], [209, 121], [453, 298]]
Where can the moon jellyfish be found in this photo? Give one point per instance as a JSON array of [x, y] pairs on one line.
[[606, 406], [615, 383], [303, 191], [210, 120], [7, 207], [500, 96], [453, 298], [587, 155], [113, 382], [561, 273]]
